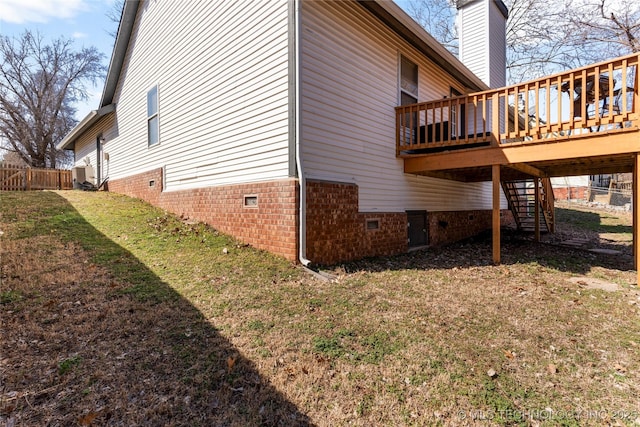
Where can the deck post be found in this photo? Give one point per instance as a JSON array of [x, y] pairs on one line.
[[636, 215], [495, 176], [536, 215], [495, 119]]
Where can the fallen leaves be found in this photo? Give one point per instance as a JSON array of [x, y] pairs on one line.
[[87, 420], [509, 354], [620, 369], [231, 362]]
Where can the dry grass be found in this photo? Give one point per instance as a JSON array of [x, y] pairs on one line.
[[114, 313]]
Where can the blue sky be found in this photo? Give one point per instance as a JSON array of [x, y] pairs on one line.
[[85, 21]]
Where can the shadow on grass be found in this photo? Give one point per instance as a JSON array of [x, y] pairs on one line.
[[114, 344]]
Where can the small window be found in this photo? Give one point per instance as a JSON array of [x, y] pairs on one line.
[[153, 128], [250, 201], [373, 224]]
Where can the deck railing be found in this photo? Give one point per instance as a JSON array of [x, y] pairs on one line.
[[23, 178], [577, 103]]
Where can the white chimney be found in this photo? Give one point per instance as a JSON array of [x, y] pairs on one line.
[[482, 44]]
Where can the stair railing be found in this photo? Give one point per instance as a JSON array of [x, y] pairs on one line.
[[547, 204]]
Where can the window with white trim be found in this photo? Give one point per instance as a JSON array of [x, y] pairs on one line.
[[408, 81], [408, 87], [153, 125]]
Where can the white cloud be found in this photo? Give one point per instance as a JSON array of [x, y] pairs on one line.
[[23, 11], [79, 35]]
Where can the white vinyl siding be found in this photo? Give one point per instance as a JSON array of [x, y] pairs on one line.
[[482, 41], [473, 49], [85, 146], [350, 89], [222, 73], [497, 47]]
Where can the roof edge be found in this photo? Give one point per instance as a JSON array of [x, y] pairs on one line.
[[68, 142], [129, 12], [499, 4], [398, 20]]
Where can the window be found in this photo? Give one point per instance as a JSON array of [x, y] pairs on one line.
[[409, 95], [372, 224], [251, 201], [408, 81], [153, 128]]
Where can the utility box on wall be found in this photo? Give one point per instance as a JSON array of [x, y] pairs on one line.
[[82, 174]]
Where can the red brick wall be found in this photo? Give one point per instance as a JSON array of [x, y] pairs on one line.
[[336, 231], [140, 186], [565, 193], [447, 227], [272, 225]]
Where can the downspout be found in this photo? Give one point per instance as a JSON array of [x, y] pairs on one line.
[[302, 231]]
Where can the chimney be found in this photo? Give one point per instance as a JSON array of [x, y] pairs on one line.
[[482, 44]]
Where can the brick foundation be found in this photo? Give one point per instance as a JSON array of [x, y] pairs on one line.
[[448, 227], [570, 193], [146, 186], [271, 225], [337, 232]]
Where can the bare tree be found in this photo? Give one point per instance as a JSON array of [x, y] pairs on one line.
[[39, 84], [114, 14], [537, 39], [438, 18], [605, 28], [12, 158], [545, 36]]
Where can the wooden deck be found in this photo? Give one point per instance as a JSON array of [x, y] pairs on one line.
[[584, 121], [579, 122]]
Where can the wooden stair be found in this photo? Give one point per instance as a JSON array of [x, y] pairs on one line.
[[521, 198]]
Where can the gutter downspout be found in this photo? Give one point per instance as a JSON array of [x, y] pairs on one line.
[[302, 231]]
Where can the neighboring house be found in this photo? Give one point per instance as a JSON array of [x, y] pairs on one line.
[[611, 189], [571, 187], [274, 121]]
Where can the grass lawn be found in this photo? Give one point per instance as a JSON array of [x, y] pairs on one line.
[[113, 312]]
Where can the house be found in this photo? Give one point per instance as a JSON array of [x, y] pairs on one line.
[[274, 121], [571, 187], [614, 189], [300, 127]]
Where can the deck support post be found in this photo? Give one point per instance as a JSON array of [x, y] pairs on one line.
[[636, 215], [536, 215], [495, 175], [495, 120]]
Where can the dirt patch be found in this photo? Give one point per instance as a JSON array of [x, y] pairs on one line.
[[593, 283]]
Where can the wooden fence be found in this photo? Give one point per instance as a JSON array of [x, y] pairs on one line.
[[22, 178]]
